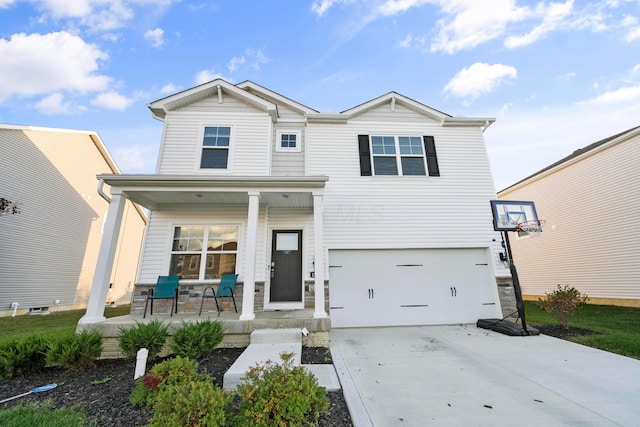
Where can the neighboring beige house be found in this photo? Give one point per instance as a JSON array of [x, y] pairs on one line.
[[590, 201], [375, 216], [48, 252]]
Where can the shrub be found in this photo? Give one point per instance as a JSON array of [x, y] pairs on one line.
[[193, 340], [151, 336], [171, 372], [23, 356], [76, 352], [563, 303], [192, 403], [274, 394]]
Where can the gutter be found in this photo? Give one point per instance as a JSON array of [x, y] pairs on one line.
[[101, 191]]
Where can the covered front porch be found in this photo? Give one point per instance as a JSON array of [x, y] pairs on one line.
[[246, 202], [236, 332]]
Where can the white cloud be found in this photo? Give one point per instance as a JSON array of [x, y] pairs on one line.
[[553, 16], [479, 78], [625, 94], [131, 158], [392, 7], [169, 88], [636, 69], [412, 41], [469, 23], [522, 142], [633, 35], [155, 37], [235, 62], [320, 7], [4, 4], [112, 101], [54, 104], [206, 76], [37, 64]]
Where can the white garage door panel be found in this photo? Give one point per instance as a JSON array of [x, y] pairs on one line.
[[410, 287]]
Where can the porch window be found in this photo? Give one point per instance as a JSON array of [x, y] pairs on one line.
[[215, 147], [203, 252]]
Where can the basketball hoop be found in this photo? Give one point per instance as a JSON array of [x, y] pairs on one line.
[[531, 228]]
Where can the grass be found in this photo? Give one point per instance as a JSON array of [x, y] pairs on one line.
[[50, 326], [618, 327], [41, 415]]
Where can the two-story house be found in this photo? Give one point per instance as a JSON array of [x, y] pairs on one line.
[[378, 215]]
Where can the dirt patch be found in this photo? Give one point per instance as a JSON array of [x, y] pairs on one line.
[[108, 403], [558, 331]]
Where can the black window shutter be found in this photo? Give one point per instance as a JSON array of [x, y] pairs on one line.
[[365, 159], [432, 159]]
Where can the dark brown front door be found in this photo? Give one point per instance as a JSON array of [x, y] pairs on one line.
[[286, 266]]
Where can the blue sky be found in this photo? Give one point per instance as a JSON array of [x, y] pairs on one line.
[[557, 76]]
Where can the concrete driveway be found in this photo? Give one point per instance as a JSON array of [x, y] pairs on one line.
[[465, 376]]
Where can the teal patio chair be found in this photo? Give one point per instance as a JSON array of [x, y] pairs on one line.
[[226, 288], [166, 288]]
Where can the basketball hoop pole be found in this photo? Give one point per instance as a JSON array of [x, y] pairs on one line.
[[516, 284]]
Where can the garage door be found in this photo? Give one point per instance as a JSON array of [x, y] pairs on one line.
[[410, 287]]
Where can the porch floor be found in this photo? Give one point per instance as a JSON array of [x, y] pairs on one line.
[[236, 332]]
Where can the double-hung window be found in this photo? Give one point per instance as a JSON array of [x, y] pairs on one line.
[[398, 155], [203, 252], [215, 147]]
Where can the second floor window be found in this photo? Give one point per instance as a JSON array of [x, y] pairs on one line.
[[398, 155], [215, 147]]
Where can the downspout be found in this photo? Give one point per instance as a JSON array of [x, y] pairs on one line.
[[101, 191], [486, 125]]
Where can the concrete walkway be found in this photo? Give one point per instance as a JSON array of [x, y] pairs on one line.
[[465, 376]]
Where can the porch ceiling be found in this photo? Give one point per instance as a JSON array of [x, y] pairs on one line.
[[156, 192]]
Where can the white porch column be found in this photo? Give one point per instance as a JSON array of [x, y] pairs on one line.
[[249, 287], [318, 237], [104, 266]]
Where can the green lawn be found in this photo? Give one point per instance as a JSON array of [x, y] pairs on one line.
[[618, 327], [51, 325]]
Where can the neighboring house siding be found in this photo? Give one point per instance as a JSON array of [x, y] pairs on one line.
[[249, 153], [588, 204], [49, 251], [404, 212]]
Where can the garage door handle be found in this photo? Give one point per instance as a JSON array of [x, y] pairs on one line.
[[371, 295], [454, 291]]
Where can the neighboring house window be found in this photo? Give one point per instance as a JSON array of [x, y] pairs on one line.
[[218, 245], [288, 141], [397, 155], [215, 147]]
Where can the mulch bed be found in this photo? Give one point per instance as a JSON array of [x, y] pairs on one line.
[[108, 404]]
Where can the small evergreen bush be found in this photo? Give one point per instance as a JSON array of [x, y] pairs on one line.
[[563, 303], [171, 372], [274, 394], [194, 340], [191, 403], [77, 352], [151, 336], [24, 356]]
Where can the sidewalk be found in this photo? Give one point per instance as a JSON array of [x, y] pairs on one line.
[[465, 376]]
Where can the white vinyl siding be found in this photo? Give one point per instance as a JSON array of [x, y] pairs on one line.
[[249, 153], [288, 162], [403, 212], [587, 205], [159, 238]]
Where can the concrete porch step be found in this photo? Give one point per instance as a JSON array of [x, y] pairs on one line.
[[267, 344]]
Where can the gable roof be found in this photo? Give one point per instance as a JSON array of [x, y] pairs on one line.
[[267, 100], [215, 88], [581, 153]]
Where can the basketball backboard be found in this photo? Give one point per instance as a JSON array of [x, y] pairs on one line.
[[507, 214]]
